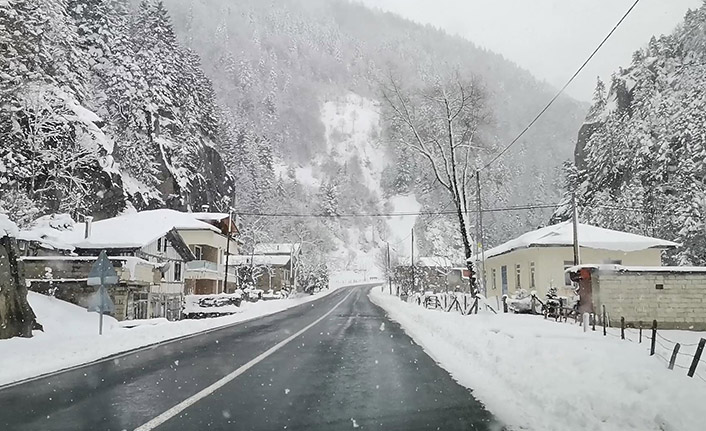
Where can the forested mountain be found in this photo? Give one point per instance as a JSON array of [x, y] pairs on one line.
[[101, 109], [276, 63], [114, 104], [640, 155]]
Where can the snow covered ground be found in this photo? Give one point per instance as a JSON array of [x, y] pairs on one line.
[[537, 374], [71, 337]]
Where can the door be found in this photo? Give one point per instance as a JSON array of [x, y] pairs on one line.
[[503, 279]]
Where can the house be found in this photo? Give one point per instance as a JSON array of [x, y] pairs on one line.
[[65, 277], [437, 273], [537, 260], [674, 296], [187, 252], [206, 274], [273, 265], [271, 272]]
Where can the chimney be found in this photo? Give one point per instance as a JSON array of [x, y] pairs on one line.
[[204, 208], [89, 224]]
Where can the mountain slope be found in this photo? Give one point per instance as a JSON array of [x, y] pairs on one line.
[[275, 64]]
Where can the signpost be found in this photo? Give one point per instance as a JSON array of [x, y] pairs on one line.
[[102, 274]]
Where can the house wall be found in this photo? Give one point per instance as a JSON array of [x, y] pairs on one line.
[[172, 282], [681, 304], [549, 267]]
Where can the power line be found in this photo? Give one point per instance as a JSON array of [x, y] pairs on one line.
[[393, 214], [551, 102]]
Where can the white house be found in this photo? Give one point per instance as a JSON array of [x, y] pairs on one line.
[[537, 260]]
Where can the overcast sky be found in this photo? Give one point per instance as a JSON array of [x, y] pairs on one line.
[[550, 38]]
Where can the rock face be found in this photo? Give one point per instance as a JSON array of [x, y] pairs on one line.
[[17, 319]]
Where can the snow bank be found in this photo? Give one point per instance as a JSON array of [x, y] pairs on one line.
[[538, 374], [71, 337]]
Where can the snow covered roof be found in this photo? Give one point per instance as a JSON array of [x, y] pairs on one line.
[[210, 216], [273, 248], [7, 227], [561, 234], [49, 231], [435, 261], [259, 260], [132, 230], [621, 268], [137, 229]]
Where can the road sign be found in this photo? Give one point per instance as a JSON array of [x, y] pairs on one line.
[[100, 301], [102, 273]]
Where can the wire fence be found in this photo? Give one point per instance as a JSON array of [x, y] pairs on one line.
[[636, 335]]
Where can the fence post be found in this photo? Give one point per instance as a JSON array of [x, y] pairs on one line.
[[593, 323], [604, 322], [622, 327], [534, 305], [697, 357], [654, 337], [673, 359], [504, 304], [640, 331], [585, 322]]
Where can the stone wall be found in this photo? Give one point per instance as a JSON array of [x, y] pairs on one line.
[[680, 303]]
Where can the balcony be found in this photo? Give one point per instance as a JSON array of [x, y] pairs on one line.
[[205, 269]]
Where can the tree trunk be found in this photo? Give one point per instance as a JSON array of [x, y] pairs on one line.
[[17, 319], [466, 246]]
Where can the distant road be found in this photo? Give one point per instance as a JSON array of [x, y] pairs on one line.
[[333, 364]]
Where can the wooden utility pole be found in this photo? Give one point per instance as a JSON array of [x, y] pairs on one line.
[[413, 259], [231, 222], [480, 239], [577, 257], [389, 272]]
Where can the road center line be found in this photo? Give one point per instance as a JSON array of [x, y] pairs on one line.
[[203, 393]]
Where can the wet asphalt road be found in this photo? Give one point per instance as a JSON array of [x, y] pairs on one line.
[[354, 369]]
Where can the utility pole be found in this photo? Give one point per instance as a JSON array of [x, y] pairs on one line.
[[577, 256], [389, 273], [228, 239], [480, 227], [413, 260]]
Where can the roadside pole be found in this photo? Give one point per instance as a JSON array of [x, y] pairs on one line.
[[577, 257], [413, 260], [102, 274], [389, 273], [481, 245]]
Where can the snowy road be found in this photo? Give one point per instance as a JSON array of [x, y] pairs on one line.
[[335, 363]]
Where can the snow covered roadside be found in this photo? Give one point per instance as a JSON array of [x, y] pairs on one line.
[[542, 375], [70, 336]]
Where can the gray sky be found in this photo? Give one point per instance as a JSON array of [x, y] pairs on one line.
[[550, 38]]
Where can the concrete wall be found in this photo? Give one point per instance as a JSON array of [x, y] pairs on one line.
[[681, 304], [549, 267]]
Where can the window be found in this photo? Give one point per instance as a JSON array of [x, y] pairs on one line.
[[493, 276], [518, 276], [567, 278], [532, 274], [159, 244], [198, 253], [503, 279], [613, 261], [177, 271]]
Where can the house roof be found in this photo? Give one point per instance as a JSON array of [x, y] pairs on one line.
[[134, 230], [7, 227], [561, 235], [258, 260], [275, 248]]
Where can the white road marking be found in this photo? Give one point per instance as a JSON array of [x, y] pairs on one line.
[[203, 393]]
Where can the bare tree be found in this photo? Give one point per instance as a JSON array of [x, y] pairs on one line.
[[441, 123]]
